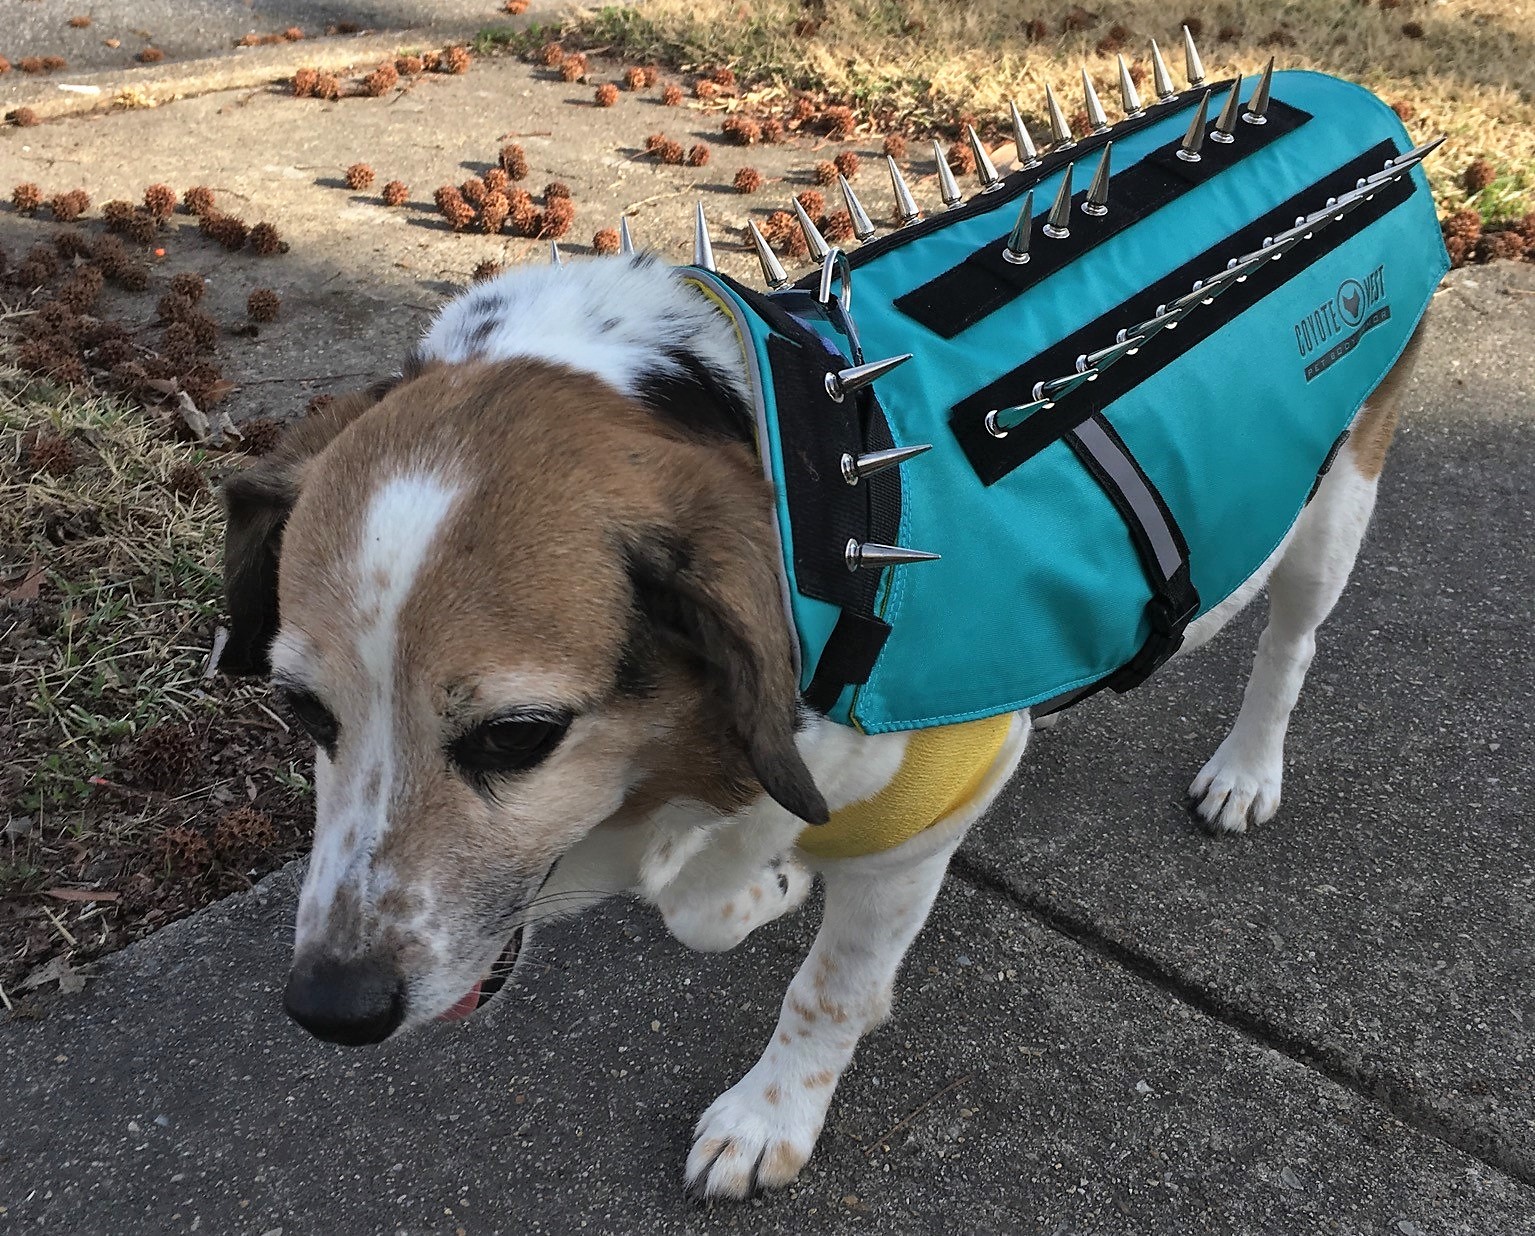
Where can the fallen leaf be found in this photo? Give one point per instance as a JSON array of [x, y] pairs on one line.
[[193, 416], [83, 894], [30, 587], [111, 42], [55, 971]]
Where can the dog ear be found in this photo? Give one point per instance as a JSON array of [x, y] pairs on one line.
[[257, 502], [721, 606]]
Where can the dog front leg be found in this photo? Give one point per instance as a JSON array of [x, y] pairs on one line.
[[761, 1131]]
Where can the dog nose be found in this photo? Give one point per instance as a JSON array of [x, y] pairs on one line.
[[354, 1001]]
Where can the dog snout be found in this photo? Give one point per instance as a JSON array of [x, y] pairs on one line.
[[355, 1000]]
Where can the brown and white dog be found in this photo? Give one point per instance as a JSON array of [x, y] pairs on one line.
[[526, 600]]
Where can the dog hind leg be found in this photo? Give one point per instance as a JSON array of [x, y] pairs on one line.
[[1241, 783]]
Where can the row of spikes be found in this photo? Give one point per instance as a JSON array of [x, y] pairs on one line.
[[1129, 340], [1027, 156]]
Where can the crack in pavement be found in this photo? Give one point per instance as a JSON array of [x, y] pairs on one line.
[[1392, 1094]]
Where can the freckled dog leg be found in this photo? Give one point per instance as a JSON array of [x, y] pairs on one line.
[[1241, 782], [761, 1131]]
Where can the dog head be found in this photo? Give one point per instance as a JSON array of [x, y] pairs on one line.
[[510, 604]]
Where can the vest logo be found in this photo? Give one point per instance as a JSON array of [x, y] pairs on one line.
[[1334, 328]]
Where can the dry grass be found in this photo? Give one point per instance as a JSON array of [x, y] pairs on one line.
[[109, 601], [918, 64]]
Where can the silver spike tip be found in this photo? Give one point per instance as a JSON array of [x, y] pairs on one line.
[[1096, 116], [703, 247], [1058, 224], [948, 187], [1161, 77], [773, 273], [1016, 250], [814, 241], [1027, 155], [1194, 135], [1129, 96], [554, 254], [863, 226], [1191, 62], [905, 205], [1258, 105], [985, 169], [854, 378], [1060, 131], [856, 467], [871, 554], [1097, 201], [1226, 123], [625, 240]]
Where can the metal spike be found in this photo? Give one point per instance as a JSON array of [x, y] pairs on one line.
[[905, 205], [703, 247], [1161, 78], [856, 467], [554, 254], [1226, 123], [985, 169], [1258, 105], [1016, 250], [1096, 116], [1060, 131], [863, 226], [1411, 158], [1104, 357], [1129, 96], [1000, 420], [1194, 136], [814, 241], [1097, 202], [854, 378], [1058, 222], [625, 240], [948, 187], [1059, 386], [772, 269], [1165, 318], [861, 554], [1027, 156], [1191, 62]]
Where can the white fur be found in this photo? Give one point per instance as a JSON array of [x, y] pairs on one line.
[[624, 320], [404, 517]]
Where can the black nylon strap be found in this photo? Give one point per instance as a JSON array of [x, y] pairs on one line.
[[849, 656], [985, 281], [993, 458]]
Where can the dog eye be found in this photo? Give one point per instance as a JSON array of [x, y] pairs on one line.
[[507, 744], [316, 719]]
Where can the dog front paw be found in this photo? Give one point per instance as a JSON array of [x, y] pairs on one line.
[[711, 923], [1236, 789], [755, 1136]]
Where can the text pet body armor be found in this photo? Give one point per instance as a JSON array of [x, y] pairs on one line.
[[1130, 363]]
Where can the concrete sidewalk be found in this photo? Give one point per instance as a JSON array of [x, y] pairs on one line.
[[1113, 1024]]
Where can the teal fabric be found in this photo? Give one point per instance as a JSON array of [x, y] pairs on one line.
[[1039, 589]]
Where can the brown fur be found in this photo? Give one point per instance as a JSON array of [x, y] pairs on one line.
[[1376, 423], [597, 561]]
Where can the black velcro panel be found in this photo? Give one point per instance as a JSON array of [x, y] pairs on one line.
[[985, 281], [849, 656], [825, 512], [993, 458]]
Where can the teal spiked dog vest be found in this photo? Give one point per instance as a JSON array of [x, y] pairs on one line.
[[1123, 427]]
